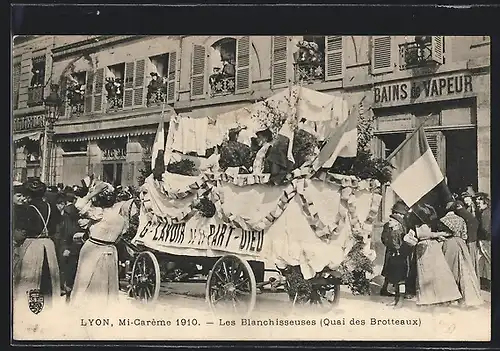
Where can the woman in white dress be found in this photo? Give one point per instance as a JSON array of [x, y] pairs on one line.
[[97, 272], [435, 282]]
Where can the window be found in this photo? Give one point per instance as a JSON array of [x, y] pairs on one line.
[[227, 62], [75, 92], [222, 67], [318, 58], [382, 56], [162, 76], [16, 78], [114, 85], [420, 51], [32, 152], [35, 91], [38, 72]]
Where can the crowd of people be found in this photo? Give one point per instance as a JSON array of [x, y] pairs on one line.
[[65, 238], [440, 261]]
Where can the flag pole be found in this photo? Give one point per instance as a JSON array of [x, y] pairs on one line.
[[408, 138]]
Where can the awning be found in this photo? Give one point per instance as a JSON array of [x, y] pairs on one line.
[[111, 134], [35, 136]]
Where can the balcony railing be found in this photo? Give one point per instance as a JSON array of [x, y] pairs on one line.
[[35, 96], [155, 97], [309, 72], [412, 55], [28, 123], [114, 103], [221, 84]]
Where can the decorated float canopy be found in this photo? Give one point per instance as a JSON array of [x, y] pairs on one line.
[[314, 221]]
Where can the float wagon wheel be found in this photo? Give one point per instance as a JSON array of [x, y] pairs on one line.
[[231, 286], [145, 279], [326, 297]]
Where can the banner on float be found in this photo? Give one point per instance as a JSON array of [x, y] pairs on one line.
[[204, 235]]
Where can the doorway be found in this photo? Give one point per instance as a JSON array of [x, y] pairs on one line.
[[461, 159]]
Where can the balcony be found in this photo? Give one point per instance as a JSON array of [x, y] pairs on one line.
[[221, 84], [28, 123], [35, 96], [155, 97], [75, 96], [309, 72], [420, 53]]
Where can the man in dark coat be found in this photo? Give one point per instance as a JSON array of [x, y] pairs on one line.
[[18, 221], [67, 249], [484, 238]]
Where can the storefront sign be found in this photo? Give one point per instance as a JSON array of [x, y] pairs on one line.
[[420, 90], [114, 154]]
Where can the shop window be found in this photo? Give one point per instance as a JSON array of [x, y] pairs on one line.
[[75, 92], [391, 142], [77, 146], [35, 90], [114, 86], [112, 173], [421, 51], [318, 58], [33, 152], [222, 67]]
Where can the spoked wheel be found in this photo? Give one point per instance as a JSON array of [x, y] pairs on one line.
[[231, 286], [145, 279], [325, 297]]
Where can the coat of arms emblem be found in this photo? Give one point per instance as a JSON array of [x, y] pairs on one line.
[[35, 301]]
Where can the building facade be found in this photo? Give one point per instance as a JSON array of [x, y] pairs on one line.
[[112, 105]]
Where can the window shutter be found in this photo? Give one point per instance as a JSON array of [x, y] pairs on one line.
[[171, 77], [436, 141], [64, 96], [139, 80], [279, 51], [198, 63], [437, 46], [89, 89], [382, 54], [98, 90], [16, 79], [334, 61], [243, 65], [128, 85]]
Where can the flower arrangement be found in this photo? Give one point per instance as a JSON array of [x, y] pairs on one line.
[[185, 167], [205, 207]]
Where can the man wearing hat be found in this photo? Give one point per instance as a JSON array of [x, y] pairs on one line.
[[67, 249], [18, 221], [39, 269], [484, 238]]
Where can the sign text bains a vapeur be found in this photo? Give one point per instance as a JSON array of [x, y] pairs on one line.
[[422, 89]]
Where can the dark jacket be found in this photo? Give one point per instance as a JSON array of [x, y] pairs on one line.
[[18, 223], [68, 227], [472, 224], [33, 223], [484, 232]]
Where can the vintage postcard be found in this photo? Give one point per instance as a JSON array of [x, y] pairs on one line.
[[242, 187]]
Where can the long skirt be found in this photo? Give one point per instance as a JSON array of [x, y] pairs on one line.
[[474, 255], [435, 281], [37, 269], [96, 280], [457, 255], [484, 260]]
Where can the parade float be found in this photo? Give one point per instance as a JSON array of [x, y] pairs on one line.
[[221, 206]]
